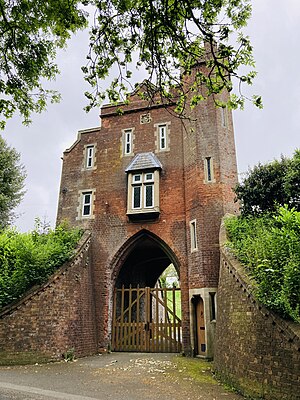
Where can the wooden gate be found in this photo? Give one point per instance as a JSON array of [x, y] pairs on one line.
[[147, 320]]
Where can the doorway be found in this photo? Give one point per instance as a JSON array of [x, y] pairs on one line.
[[146, 313], [199, 331]]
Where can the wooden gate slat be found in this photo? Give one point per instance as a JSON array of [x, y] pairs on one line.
[[173, 329], [153, 326], [157, 321]]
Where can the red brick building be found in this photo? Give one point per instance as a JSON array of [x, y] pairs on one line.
[[152, 188]]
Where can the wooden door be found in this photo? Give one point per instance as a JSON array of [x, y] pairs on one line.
[[200, 322]]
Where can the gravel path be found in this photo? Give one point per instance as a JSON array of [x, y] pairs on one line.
[[117, 376]]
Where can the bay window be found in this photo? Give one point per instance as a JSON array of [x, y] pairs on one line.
[[143, 186]]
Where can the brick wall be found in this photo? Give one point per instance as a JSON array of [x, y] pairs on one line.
[[255, 350], [183, 195], [53, 318]]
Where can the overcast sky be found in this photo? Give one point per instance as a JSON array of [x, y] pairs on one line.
[[261, 135]]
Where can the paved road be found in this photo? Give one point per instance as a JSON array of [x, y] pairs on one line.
[[117, 376]]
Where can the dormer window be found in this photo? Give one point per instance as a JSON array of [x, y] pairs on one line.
[[143, 186]]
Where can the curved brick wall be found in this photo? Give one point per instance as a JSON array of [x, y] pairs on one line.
[[255, 350], [53, 318]]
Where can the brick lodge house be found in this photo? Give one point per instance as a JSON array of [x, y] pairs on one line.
[[152, 189]]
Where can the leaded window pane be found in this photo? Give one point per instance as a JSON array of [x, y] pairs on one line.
[[149, 177], [137, 197], [137, 178], [86, 209], [149, 196], [87, 199]]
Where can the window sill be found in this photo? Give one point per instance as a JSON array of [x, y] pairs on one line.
[[143, 214]]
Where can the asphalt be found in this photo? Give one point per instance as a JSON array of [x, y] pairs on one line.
[[116, 376]]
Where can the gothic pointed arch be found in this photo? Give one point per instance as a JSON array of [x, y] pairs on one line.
[[141, 260]]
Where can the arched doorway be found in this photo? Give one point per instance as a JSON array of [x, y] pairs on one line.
[[146, 315]]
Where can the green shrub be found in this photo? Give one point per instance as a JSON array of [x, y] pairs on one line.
[[268, 186], [269, 246], [28, 259]]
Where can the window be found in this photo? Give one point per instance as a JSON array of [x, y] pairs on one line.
[[143, 190], [162, 136], [89, 157], [193, 232], [213, 310], [143, 186], [224, 116], [208, 170], [149, 190], [86, 204], [128, 141], [137, 192], [143, 193]]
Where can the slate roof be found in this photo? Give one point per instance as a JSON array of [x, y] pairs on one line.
[[144, 161]]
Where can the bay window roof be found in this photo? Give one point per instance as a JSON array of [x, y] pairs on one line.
[[144, 161]]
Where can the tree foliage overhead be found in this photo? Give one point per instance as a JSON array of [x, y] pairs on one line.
[[165, 37], [162, 37], [12, 176], [31, 31], [267, 186]]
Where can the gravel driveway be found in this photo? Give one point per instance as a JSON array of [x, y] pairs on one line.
[[116, 376]]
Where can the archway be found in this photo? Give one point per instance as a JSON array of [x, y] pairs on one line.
[[146, 316]]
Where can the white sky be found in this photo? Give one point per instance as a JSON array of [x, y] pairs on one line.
[[261, 135]]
